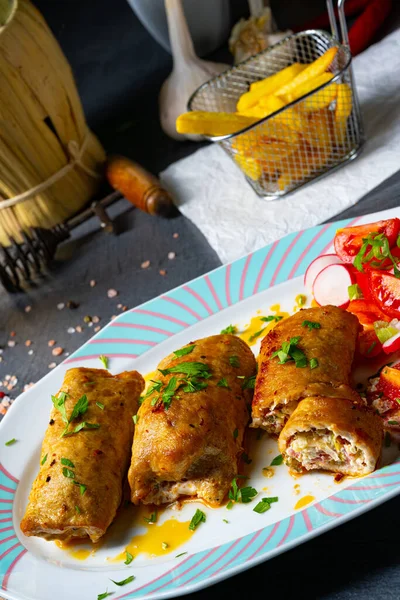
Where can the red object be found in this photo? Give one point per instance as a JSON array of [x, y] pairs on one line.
[[362, 282], [2, 394], [316, 266], [385, 290], [366, 312], [368, 24], [368, 344], [348, 241], [389, 384], [392, 345]]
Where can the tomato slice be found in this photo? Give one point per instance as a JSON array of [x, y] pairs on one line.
[[348, 241], [385, 290], [367, 312], [368, 344]]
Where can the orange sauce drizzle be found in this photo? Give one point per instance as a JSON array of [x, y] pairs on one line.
[[256, 324], [304, 501]]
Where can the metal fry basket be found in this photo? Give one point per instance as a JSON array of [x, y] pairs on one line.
[[307, 138]]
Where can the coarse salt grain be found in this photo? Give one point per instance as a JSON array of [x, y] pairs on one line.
[[90, 324], [51, 343], [92, 283], [96, 319], [171, 255], [28, 343], [12, 334], [79, 329], [28, 309], [175, 236], [52, 365], [162, 272], [111, 293], [145, 264], [57, 351], [30, 352], [11, 343], [60, 305], [97, 328], [71, 330], [119, 305]]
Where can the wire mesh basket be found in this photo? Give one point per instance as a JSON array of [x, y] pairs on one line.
[[307, 138]]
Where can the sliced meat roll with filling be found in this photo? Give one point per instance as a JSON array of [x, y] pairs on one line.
[[332, 434], [307, 354]]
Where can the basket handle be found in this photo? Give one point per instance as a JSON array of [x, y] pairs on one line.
[[342, 20]]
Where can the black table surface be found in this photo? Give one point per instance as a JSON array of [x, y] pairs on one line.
[[357, 560]]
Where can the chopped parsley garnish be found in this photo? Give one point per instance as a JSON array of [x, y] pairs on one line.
[[164, 545], [198, 517], [43, 459], [152, 519], [181, 554], [375, 250], [393, 423], [314, 363], [246, 459], [82, 487], [354, 292], [135, 418], [271, 318], [104, 360], [223, 383], [290, 351], [68, 473], [397, 400], [278, 460], [156, 387], [129, 558], [67, 463], [192, 384], [124, 581], [184, 351], [371, 347], [59, 404], [80, 408], [100, 405], [256, 335], [169, 392], [10, 442], [234, 361], [301, 300], [104, 595], [311, 324], [237, 494], [83, 425], [264, 504], [230, 329], [225, 520], [248, 382], [77, 509], [235, 434], [191, 369], [388, 439]]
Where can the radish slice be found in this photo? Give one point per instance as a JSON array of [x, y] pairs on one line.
[[316, 267], [331, 286], [392, 344]]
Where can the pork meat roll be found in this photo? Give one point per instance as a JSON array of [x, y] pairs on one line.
[[307, 354], [332, 434], [191, 424], [85, 455]]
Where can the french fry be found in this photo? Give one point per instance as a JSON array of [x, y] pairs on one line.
[[212, 123], [344, 105], [268, 86], [273, 103], [306, 87], [301, 164], [310, 72], [319, 133], [249, 165], [319, 100]]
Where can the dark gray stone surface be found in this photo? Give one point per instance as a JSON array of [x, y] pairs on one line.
[[119, 70]]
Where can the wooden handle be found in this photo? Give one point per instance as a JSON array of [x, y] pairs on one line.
[[138, 186]]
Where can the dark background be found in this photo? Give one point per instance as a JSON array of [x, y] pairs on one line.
[[119, 69]]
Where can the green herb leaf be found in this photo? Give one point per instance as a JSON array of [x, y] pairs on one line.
[[246, 459], [249, 382], [247, 494], [124, 581], [156, 387], [311, 324], [198, 517], [68, 473], [184, 351], [100, 405], [278, 460], [59, 404], [129, 558], [234, 361], [371, 347], [192, 384], [314, 363], [235, 434], [77, 509], [83, 425], [223, 383], [229, 506], [230, 329], [393, 423], [169, 392], [301, 300], [10, 442], [181, 554], [82, 487], [256, 335], [152, 519], [67, 463], [104, 595], [135, 418], [225, 521], [43, 459], [104, 360], [354, 292], [79, 409], [290, 351], [271, 318], [192, 369], [265, 504]]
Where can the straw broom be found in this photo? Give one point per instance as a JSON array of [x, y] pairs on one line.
[[42, 128]]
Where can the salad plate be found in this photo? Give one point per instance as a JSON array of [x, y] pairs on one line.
[[169, 559]]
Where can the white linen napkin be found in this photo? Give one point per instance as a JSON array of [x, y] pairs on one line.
[[212, 192]]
